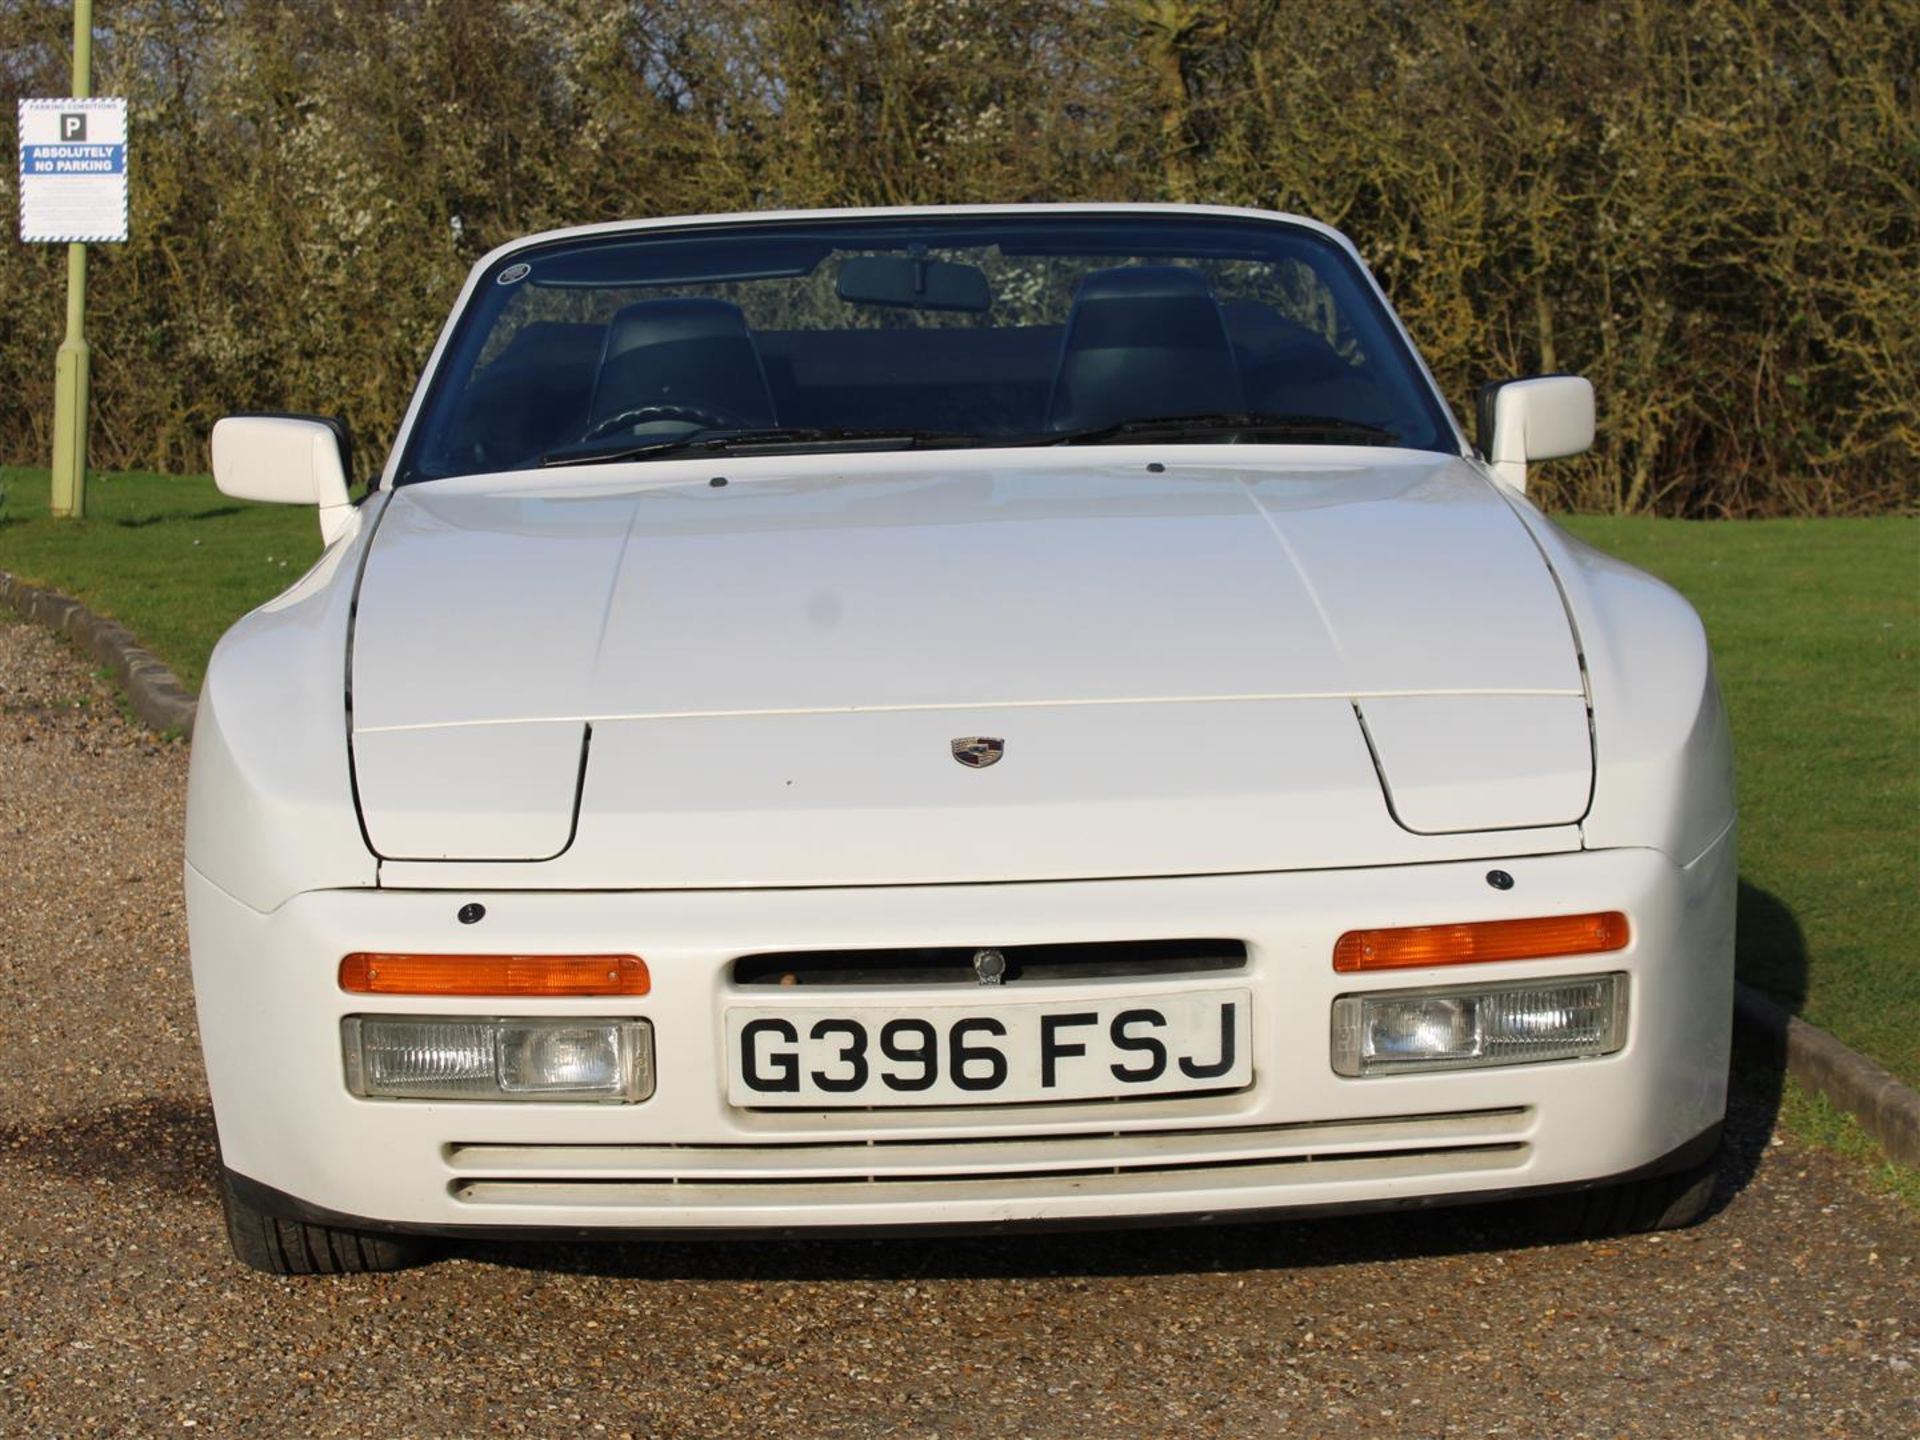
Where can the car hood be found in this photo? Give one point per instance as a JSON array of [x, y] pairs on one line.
[[542, 663]]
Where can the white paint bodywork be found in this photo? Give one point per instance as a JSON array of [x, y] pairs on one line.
[[270, 1013], [1272, 693], [771, 671]]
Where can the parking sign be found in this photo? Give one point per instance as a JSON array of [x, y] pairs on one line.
[[73, 169]]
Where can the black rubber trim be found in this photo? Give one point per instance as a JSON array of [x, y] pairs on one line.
[[284, 1206]]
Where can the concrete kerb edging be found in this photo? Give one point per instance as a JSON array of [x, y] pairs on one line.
[[1889, 1110], [154, 691]]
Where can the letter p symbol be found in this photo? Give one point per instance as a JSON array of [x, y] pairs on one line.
[[73, 128]]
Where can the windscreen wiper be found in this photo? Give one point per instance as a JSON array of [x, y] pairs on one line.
[[1227, 425], [770, 439]]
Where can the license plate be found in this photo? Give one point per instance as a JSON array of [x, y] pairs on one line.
[[974, 1051]]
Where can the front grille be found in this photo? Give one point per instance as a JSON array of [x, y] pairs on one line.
[[954, 965], [816, 1175]]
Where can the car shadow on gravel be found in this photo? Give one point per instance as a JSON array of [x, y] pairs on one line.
[[165, 1143], [1772, 955]]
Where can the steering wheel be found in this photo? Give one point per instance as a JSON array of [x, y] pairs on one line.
[[698, 415]]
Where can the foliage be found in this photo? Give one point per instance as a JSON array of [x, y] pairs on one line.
[[1708, 206]]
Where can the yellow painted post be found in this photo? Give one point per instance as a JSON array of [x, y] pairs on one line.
[[72, 371]]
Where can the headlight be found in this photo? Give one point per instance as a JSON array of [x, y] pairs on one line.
[[428, 1057], [1456, 1027]]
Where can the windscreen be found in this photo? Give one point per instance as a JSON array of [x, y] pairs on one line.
[[919, 331]]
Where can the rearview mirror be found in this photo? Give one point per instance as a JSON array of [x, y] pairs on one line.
[[910, 281], [1545, 417], [286, 460]]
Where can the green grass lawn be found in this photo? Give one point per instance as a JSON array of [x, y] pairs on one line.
[[1815, 625], [170, 557]]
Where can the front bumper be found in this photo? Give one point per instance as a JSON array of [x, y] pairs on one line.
[[1299, 1138]]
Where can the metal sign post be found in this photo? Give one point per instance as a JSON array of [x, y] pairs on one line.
[[73, 189], [73, 369]]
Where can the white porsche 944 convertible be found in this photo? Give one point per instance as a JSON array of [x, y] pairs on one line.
[[856, 721]]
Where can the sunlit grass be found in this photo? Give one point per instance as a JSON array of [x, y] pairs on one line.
[[167, 555]]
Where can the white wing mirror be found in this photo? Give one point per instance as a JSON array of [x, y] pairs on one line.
[[287, 460], [1544, 418]]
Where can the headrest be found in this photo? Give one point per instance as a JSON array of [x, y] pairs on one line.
[[1273, 344], [672, 321], [1143, 340], [682, 350], [1144, 282]]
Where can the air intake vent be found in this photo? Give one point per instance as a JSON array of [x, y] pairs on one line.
[[954, 965]]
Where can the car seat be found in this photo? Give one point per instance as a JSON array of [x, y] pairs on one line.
[[681, 351]]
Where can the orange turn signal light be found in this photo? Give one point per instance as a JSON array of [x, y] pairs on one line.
[[528, 975], [1481, 941]]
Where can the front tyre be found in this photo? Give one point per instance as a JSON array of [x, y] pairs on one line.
[[294, 1247], [1632, 1207]]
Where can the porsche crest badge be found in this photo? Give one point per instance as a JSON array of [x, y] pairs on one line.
[[976, 752]]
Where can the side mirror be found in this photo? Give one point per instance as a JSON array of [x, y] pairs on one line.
[[1546, 417], [286, 460]]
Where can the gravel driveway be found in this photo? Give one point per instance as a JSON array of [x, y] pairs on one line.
[[1794, 1310]]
